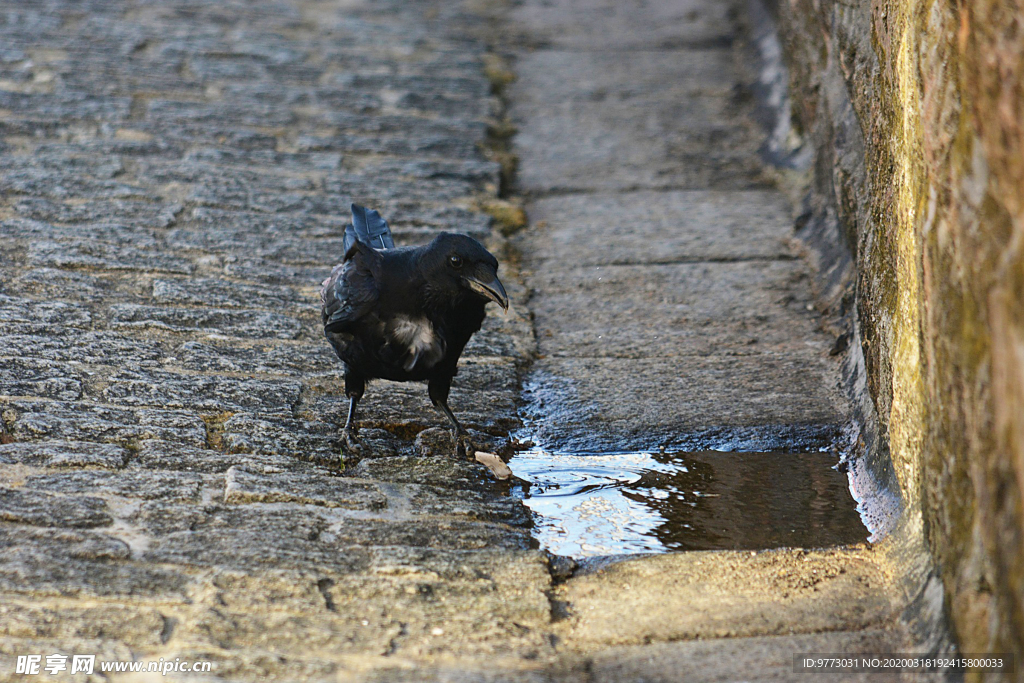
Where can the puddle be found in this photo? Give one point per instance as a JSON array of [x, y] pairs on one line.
[[609, 504]]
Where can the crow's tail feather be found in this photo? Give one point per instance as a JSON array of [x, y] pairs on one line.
[[369, 228]]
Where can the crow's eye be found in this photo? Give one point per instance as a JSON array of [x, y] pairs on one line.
[[455, 260]]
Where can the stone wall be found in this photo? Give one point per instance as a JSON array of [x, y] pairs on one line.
[[916, 111]]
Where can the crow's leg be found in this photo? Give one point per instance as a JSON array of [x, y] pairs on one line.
[[350, 423], [438, 389], [354, 388], [457, 428]]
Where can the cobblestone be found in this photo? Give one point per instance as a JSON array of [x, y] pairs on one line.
[[244, 486], [61, 454], [43, 509]]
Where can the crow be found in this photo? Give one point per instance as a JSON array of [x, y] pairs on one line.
[[405, 314]]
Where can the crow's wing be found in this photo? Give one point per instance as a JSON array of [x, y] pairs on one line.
[[369, 228], [352, 290]]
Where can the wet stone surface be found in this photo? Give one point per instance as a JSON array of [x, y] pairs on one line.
[[622, 503]]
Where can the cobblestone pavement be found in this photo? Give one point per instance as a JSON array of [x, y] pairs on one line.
[[176, 180], [175, 183]]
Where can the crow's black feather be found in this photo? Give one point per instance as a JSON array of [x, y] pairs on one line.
[[406, 314], [369, 228]]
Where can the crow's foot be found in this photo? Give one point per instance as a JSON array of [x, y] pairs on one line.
[[350, 442], [465, 447]]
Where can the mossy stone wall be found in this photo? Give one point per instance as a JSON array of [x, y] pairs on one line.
[[916, 111]]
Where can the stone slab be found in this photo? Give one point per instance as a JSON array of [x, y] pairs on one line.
[[721, 660], [622, 25], [626, 121], [665, 311], [697, 595], [595, 229], [763, 402]]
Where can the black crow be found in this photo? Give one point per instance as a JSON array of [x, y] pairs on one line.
[[405, 314]]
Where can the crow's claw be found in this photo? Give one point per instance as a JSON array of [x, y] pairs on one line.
[[350, 442], [465, 446]]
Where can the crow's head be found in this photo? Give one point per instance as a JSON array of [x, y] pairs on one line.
[[457, 266]]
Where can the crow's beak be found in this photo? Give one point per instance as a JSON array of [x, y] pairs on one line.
[[492, 289]]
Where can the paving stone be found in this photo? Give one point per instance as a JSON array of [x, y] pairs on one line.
[[71, 563], [135, 627], [447, 143], [489, 506], [50, 254], [66, 107], [254, 664], [224, 294], [171, 390], [775, 401], [289, 535], [448, 472], [255, 323], [286, 238], [75, 421], [273, 272], [42, 378], [660, 227], [154, 454], [91, 348], [407, 215], [149, 485], [636, 25], [716, 594], [506, 334], [297, 635], [265, 435], [244, 486], [88, 233], [506, 591], [28, 316], [246, 228], [696, 308], [64, 454], [305, 359], [21, 178], [139, 213], [55, 285], [171, 111], [43, 509], [633, 120]]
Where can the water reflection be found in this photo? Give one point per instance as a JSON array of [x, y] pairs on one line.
[[653, 502]]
